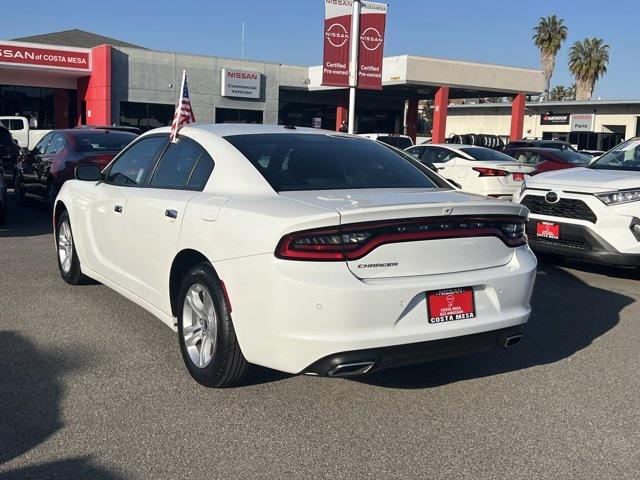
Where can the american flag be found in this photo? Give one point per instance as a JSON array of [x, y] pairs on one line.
[[184, 113]]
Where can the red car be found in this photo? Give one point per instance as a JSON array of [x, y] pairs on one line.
[[547, 159], [43, 170]]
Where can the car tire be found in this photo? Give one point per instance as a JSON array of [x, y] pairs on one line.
[[68, 261], [207, 339], [18, 190]]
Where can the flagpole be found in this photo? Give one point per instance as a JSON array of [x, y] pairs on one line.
[[353, 66], [179, 104]]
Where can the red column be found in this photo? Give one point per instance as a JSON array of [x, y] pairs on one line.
[[61, 108], [440, 115], [342, 111], [97, 87], [412, 118], [517, 116]]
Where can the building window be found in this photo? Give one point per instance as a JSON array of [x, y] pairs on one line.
[[146, 116], [233, 115]]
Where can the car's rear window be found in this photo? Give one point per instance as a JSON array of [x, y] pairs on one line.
[[302, 161], [108, 141], [573, 157], [486, 154]]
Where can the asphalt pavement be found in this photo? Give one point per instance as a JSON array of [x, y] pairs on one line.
[[93, 387]]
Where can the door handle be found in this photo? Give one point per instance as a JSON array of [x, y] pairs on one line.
[[117, 209], [171, 213]]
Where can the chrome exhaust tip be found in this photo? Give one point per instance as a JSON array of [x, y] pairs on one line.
[[351, 369], [512, 341]]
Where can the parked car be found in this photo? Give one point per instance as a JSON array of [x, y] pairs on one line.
[[297, 249], [399, 141], [589, 212], [556, 144], [23, 131], [8, 153], [547, 159], [476, 169], [43, 170], [3, 194]]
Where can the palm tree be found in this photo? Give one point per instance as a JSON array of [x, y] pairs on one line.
[[561, 93], [548, 37], [588, 62], [558, 93]]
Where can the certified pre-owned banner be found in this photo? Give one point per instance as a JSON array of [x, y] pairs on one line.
[[337, 31], [373, 17]]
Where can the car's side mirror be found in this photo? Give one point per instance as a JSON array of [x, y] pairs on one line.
[[24, 151], [88, 172]]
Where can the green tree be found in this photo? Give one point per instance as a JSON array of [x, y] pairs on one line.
[[560, 93], [588, 62], [548, 37]]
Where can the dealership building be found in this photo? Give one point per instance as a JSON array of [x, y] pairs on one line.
[[590, 125], [76, 77]]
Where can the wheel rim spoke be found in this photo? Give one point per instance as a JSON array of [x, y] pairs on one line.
[[65, 246], [199, 325]]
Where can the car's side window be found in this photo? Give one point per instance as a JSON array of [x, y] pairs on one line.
[[437, 155], [57, 144], [133, 165], [416, 152], [183, 165], [201, 172], [42, 145]]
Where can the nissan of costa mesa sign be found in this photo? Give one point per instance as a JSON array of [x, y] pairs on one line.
[[59, 59], [241, 84]]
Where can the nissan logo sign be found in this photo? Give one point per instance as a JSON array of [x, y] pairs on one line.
[[551, 197]]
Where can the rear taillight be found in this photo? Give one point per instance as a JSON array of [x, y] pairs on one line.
[[490, 172], [354, 241]]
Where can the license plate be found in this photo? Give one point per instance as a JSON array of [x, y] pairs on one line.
[[450, 304], [518, 177], [548, 230]]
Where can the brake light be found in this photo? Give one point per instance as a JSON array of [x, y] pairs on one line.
[[354, 241], [490, 172]]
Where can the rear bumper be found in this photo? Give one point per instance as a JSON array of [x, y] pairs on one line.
[[375, 359], [579, 241], [288, 317]]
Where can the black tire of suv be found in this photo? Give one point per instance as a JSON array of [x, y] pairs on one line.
[[74, 276], [228, 367]]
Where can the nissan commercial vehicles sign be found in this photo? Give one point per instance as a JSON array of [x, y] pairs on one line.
[[241, 84]]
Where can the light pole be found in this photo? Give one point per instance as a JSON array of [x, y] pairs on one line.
[[353, 66]]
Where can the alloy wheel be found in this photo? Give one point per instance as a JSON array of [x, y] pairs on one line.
[[65, 246], [199, 325]]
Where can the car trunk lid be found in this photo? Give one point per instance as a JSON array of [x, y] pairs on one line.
[[411, 230]]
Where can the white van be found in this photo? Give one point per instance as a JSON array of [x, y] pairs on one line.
[[23, 131]]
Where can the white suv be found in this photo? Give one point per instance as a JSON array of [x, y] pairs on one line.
[[591, 213]]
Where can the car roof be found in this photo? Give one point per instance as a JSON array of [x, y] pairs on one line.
[[229, 129], [78, 131]]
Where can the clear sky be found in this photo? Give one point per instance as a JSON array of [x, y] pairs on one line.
[[290, 31]]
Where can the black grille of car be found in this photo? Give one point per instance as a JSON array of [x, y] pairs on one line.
[[565, 208], [574, 244]]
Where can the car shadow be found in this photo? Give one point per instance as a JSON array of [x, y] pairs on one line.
[[612, 271], [568, 315], [27, 220], [30, 413]]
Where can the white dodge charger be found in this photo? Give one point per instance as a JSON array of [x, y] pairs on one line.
[[297, 249]]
